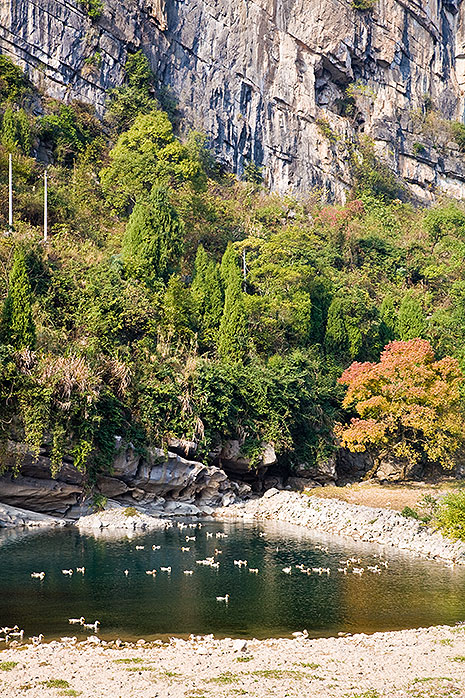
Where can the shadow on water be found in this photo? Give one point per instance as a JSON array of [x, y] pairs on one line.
[[410, 592]]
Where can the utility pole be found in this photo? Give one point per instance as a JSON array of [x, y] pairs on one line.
[[45, 206], [10, 194]]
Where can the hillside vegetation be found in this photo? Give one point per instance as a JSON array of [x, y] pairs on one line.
[[173, 300]]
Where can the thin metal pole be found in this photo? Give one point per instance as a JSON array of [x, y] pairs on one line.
[[244, 269], [10, 194], [45, 206]]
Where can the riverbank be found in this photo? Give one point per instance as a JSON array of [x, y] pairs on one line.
[[422, 663], [321, 513], [358, 522]]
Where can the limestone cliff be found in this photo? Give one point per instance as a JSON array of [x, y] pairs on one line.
[[283, 82]]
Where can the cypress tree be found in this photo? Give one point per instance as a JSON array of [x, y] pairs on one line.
[[233, 333], [411, 321], [336, 338], [17, 324], [178, 309], [352, 328], [388, 316], [228, 264], [153, 240], [208, 297]]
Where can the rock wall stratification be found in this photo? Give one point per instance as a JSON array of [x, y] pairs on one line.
[[259, 76]]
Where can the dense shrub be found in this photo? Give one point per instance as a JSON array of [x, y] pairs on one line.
[[450, 515], [148, 154], [94, 8], [135, 96]]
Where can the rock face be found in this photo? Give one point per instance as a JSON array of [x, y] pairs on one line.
[[158, 481], [286, 83]]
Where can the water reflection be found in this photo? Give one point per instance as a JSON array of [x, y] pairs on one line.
[[408, 593]]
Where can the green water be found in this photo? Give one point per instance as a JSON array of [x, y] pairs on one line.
[[408, 593]]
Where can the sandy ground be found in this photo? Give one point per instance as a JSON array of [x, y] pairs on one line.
[[388, 496], [424, 663]]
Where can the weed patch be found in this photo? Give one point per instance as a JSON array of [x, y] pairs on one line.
[[7, 666]]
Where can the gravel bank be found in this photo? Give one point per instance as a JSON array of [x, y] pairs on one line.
[[424, 663], [369, 524]]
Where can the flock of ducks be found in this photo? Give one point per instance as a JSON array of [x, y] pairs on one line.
[[82, 621], [9, 634], [351, 565], [67, 573]]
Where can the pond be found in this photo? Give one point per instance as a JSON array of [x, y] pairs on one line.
[[400, 592]]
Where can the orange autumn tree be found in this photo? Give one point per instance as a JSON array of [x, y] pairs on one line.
[[408, 405]]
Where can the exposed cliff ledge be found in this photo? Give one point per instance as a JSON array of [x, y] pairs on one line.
[[257, 75], [159, 482]]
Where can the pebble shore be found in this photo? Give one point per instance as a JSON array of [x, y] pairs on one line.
[[422, 663], [358, 522]]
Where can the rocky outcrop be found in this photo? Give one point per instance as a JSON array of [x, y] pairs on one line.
[[47, 496], [158, 481], [285, 83], [12, 517]]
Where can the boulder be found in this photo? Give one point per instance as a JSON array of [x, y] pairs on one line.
[[394, 470], [235, 463], [171, 476], [111, 486], [352, 466], [270, 493], [301, 483], [183, 447], [323, 472], [38, 466], [126, 463], [273, 481], [181, 509]]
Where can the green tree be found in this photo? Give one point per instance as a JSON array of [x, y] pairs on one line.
[[153, 241], [18, 327], [388, 316], [179, 310], [68, 129], [135, 96], [208, 297], [411, 320], [233, 337], [352, 329], [147, 154], [16, 130], [13, 82]]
